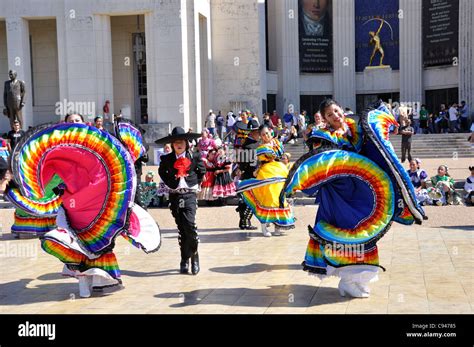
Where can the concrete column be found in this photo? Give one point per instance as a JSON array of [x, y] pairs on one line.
[[79, 39], [236, 56], [263, 51], [62, 58], [287, 55], [466, 53], [103, 46], [344, 52], [18, 46], [164, 52], [411, 51]]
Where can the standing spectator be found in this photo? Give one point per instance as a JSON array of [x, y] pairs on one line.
[[464, 116], [275, 117], [106, 110], [295, 122], [407, 132], [211, 122], [441, 120], [424, 118], [15, 135], [288, 119], [453, 118], [415, 117], [220, 122], [301, 124], [230, 127], [206, 143]]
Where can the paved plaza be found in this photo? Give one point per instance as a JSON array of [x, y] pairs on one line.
[[429, 270]]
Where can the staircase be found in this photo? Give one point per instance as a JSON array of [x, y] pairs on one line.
[[436, 146], [423, 146]]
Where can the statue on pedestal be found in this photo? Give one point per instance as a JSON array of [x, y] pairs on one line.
[[14, 98]]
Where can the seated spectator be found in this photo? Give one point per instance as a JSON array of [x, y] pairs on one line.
[[443, 192], [469, 188], [150, 197], [418, 177], [284, 135]]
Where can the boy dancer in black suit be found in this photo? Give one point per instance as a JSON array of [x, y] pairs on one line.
[[182, 171]]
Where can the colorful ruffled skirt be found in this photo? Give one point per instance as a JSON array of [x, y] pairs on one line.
[[262, 195]]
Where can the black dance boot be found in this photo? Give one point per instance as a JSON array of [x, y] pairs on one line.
[[195, 263], [248, 216], [184, 266]]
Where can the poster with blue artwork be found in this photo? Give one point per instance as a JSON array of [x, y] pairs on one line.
[[376, 33]]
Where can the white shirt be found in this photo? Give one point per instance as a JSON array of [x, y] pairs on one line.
[[230, 120], [452, 114]]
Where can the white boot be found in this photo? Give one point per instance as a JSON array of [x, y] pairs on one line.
[[277, 231], [265, 231], [348, 287], [355, 280], [85, 283]]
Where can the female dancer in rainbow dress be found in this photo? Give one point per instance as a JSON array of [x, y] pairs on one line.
[[361, 188], [262, 193], [95, 202]]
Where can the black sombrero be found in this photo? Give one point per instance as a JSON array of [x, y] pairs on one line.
[[251, 125], [177, 133]]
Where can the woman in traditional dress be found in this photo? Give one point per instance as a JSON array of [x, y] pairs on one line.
[[93, 205], [262, 193], [361, 188]]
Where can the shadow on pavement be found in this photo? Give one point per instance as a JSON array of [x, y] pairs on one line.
[[254, 268], [277, 296]]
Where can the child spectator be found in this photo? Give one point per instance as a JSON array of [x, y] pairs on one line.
[[469, 188]]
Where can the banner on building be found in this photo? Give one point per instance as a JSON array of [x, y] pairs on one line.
[[315, 35], [377, 34], [440, 32]]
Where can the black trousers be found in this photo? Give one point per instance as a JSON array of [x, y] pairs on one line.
[[406, 147], [183, 207]]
